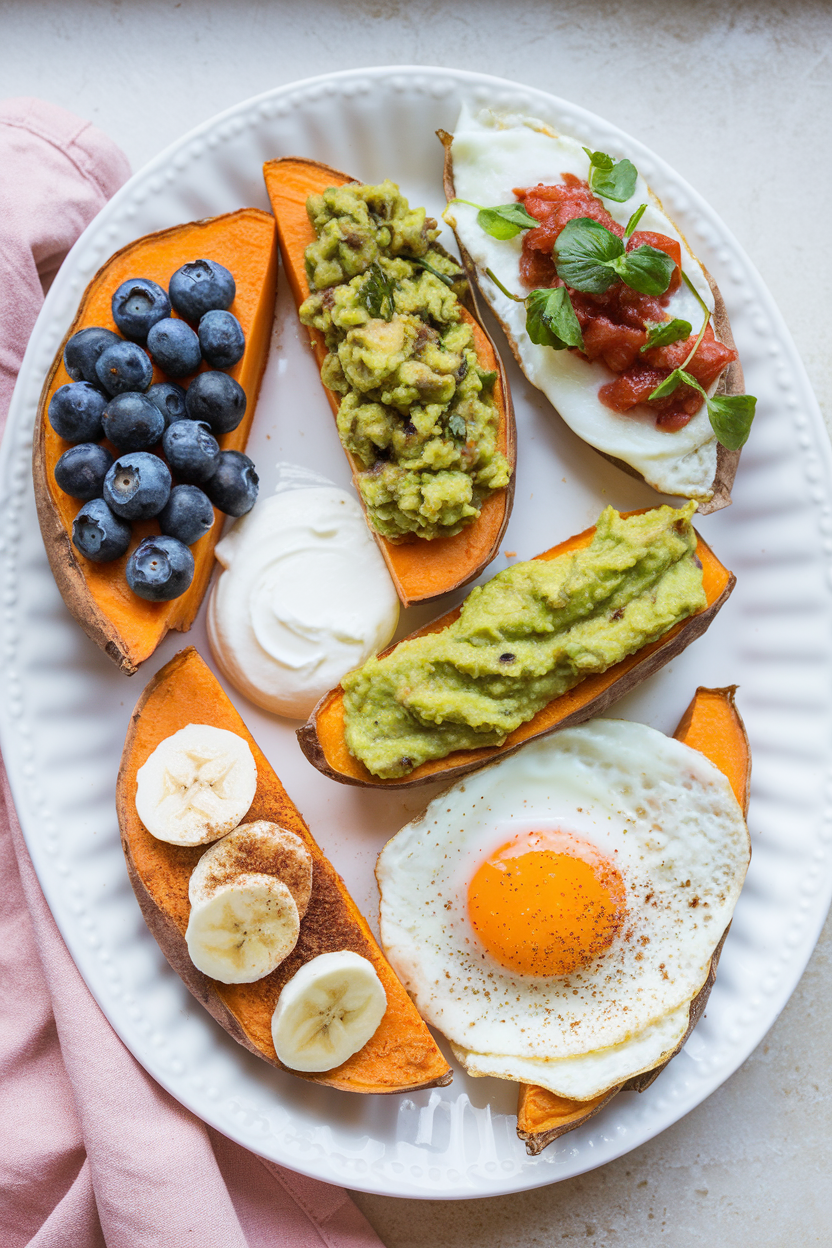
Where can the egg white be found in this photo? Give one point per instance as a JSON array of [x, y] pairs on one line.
[[491, 156], [666, 817]]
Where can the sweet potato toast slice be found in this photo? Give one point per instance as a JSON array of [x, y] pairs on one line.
[[420, 569], [401, 1056], [126, 627], [322, 737], [712, 725], [731, 382]]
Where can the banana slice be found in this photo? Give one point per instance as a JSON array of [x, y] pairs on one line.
[[196, 785], [263, 848], [244, 929], [327, 1011]]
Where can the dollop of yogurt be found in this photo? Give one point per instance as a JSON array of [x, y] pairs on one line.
[[304, 597]]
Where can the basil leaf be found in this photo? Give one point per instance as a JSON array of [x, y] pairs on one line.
[[731, 417], [634, 220], [457, 427], [584, 254], [664, 333], [376, 291], [450, 279], [551, 319], [610, 180], [645, 269], [505, 221]]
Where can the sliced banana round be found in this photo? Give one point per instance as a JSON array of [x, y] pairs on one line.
[[243, 930], [327, 1011], [263, 848], [196, 785]]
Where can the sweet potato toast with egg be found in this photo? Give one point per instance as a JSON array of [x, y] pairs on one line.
[[711, 724], [401, 1056], [420, 569], [731, 381], [126, 627], [322, 737]]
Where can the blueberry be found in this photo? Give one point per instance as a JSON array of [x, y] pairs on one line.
[[98, 533], [132, 422], [83, 349], [75, 411], [174, 347], [138, 305], [187, 514], [221, 338], [200, 287], [218, 399], [191, 450], [81, 470], [123, 366], [160, 568], [233, 487], [170, 400], [137, 485]]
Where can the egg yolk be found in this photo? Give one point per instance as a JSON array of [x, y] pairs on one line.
[[546, 903]]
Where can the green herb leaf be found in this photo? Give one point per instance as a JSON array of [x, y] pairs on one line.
[[664, 333], [377, 291], [487, 380], [584, 255], [666, 387], [634, 220], [731, 417], [457, 427], [450, 279], [505, 221], [611, 180], [551, 320], [645, 269]]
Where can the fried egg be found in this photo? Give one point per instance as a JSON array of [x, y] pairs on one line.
[[491, 156], [555, 914]]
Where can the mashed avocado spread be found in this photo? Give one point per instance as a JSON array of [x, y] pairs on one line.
[[417, 411], [525, 637]]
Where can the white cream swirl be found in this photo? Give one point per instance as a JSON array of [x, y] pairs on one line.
[[305, 597]]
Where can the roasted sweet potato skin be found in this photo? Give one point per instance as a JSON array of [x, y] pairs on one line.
[[401, 1056], [126, 627], [713, 725], [731, 382], [420, 569], [322, 737]]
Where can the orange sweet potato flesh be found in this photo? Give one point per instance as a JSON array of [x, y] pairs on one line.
[[402, 1055], [127, 627], [420, 569], [323, 742], [712, 725]]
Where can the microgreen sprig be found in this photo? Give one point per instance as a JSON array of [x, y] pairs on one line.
[[377, 291], [503, 221], [611, 180], [730, 415], [590, 258], [550, 317]]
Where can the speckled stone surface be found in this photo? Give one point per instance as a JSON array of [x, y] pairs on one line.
[[738, 97]]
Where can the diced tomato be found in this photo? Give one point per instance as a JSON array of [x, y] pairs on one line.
[[616, 345], [613, 323]]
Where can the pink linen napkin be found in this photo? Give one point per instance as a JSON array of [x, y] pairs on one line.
[[92, 1151]]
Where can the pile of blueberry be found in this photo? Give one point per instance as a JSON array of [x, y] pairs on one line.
[[110, 396]]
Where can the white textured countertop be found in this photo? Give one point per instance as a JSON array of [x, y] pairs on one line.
[[738, 97]]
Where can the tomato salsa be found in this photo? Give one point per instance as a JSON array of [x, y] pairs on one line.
[[613, 323]]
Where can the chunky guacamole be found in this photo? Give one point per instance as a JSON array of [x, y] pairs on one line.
[[525, 637], [417, 411]]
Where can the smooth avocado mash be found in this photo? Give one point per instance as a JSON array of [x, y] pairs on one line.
[[417, 411], [525, 637]]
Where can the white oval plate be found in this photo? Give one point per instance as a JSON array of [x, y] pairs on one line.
[[65, 708]]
